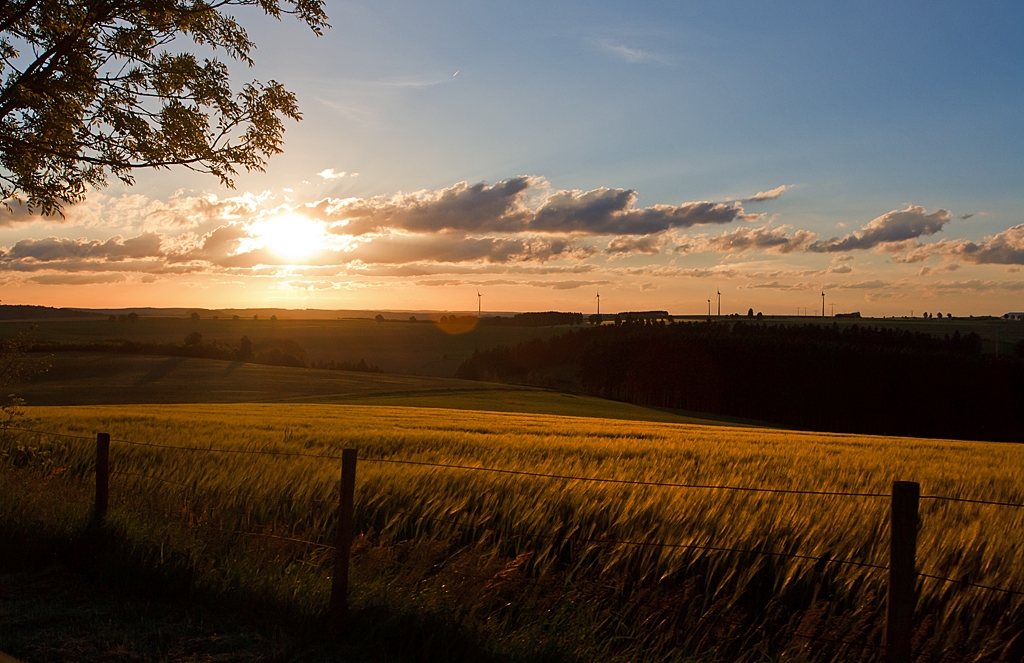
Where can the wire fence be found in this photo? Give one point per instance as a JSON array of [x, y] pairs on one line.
[[517, 534]]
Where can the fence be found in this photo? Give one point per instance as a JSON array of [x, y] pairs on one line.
[[904, 523]]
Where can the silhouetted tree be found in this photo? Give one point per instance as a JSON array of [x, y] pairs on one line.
[[245, 349], [379, 318], [194, 317], [193, 339], [132, 317], [89, 89], [750, 312]]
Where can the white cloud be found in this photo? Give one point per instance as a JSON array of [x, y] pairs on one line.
[[331, 174]]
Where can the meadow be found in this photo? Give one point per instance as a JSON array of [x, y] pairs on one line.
[[575, 569], [396, 346]]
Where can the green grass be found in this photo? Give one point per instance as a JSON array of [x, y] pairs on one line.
[[100, 379], [525, 563]]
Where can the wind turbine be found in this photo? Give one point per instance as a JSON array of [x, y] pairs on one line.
[[478, 296], [709, 308], [599, 302], [823, 302], [719, 302]]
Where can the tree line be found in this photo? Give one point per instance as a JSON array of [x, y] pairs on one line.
[[859, 379]]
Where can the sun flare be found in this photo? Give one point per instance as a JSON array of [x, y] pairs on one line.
[[291, 236]]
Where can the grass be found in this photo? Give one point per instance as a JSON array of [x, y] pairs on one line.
[[102, 379], [397, 347], [513, 565]]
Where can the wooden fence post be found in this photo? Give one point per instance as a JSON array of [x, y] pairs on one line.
[[343, 534], [902, 572], [102, 475]]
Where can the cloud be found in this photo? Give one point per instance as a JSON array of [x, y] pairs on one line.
[[631, 55], [52, 249], [890, 228], [648, 244], [14, 212], [331, 174], [77, 279], [764, 238], [776, 285], [861, 285], [771, 194], [1005, 248], [517, 205], [566, 285]]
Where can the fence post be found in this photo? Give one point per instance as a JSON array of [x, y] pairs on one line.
[[102, 475], [343, 534], [902, 572]]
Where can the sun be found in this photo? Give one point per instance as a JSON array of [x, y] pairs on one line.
[[291, 236]]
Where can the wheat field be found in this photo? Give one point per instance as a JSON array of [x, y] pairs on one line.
[[653, 564]]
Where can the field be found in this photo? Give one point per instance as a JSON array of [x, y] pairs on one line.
[[516, 564], [397, 347], [98, 379]]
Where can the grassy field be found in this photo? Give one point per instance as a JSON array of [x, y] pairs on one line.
[[397, 347], [99, 379], [525, 564]]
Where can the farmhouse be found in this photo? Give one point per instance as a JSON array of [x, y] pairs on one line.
[[1014, 316]]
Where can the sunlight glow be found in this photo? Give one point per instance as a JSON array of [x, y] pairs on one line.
[[291, 236]]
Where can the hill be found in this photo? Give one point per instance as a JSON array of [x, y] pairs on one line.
[[107, 379]]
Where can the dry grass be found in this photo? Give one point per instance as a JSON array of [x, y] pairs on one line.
[[498, 539]]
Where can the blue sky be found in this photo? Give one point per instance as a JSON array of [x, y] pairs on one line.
[[903, 116]]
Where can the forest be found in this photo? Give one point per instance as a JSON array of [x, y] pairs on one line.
[[858, 379]]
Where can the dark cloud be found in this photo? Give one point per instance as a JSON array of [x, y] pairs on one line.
[[518, 205], [77, 279], [894, 226], [763, 238], [147, 245], [454, 248], [647, 244], [469, 208]]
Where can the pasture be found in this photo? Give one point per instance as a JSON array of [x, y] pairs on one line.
[[609, 571], [397, 347]]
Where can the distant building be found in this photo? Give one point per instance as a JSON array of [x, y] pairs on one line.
[[1014, 316], [855, 314]]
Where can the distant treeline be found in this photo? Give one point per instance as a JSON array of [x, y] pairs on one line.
[[855, 379], [274, 352], [361, 367], [547, 319]]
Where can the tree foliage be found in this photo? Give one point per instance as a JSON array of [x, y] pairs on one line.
[[15, 367], [91, 88]]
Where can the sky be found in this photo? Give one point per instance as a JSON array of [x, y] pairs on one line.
[[542, 153]]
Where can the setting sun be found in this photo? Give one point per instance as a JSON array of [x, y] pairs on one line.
[[291, 236]]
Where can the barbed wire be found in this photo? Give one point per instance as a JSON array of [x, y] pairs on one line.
[[497, 470], [46, 432], [225, 493], [659, 484], [267, 536], [944, 498], [562, 477], [971, 584], [625, 542]]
